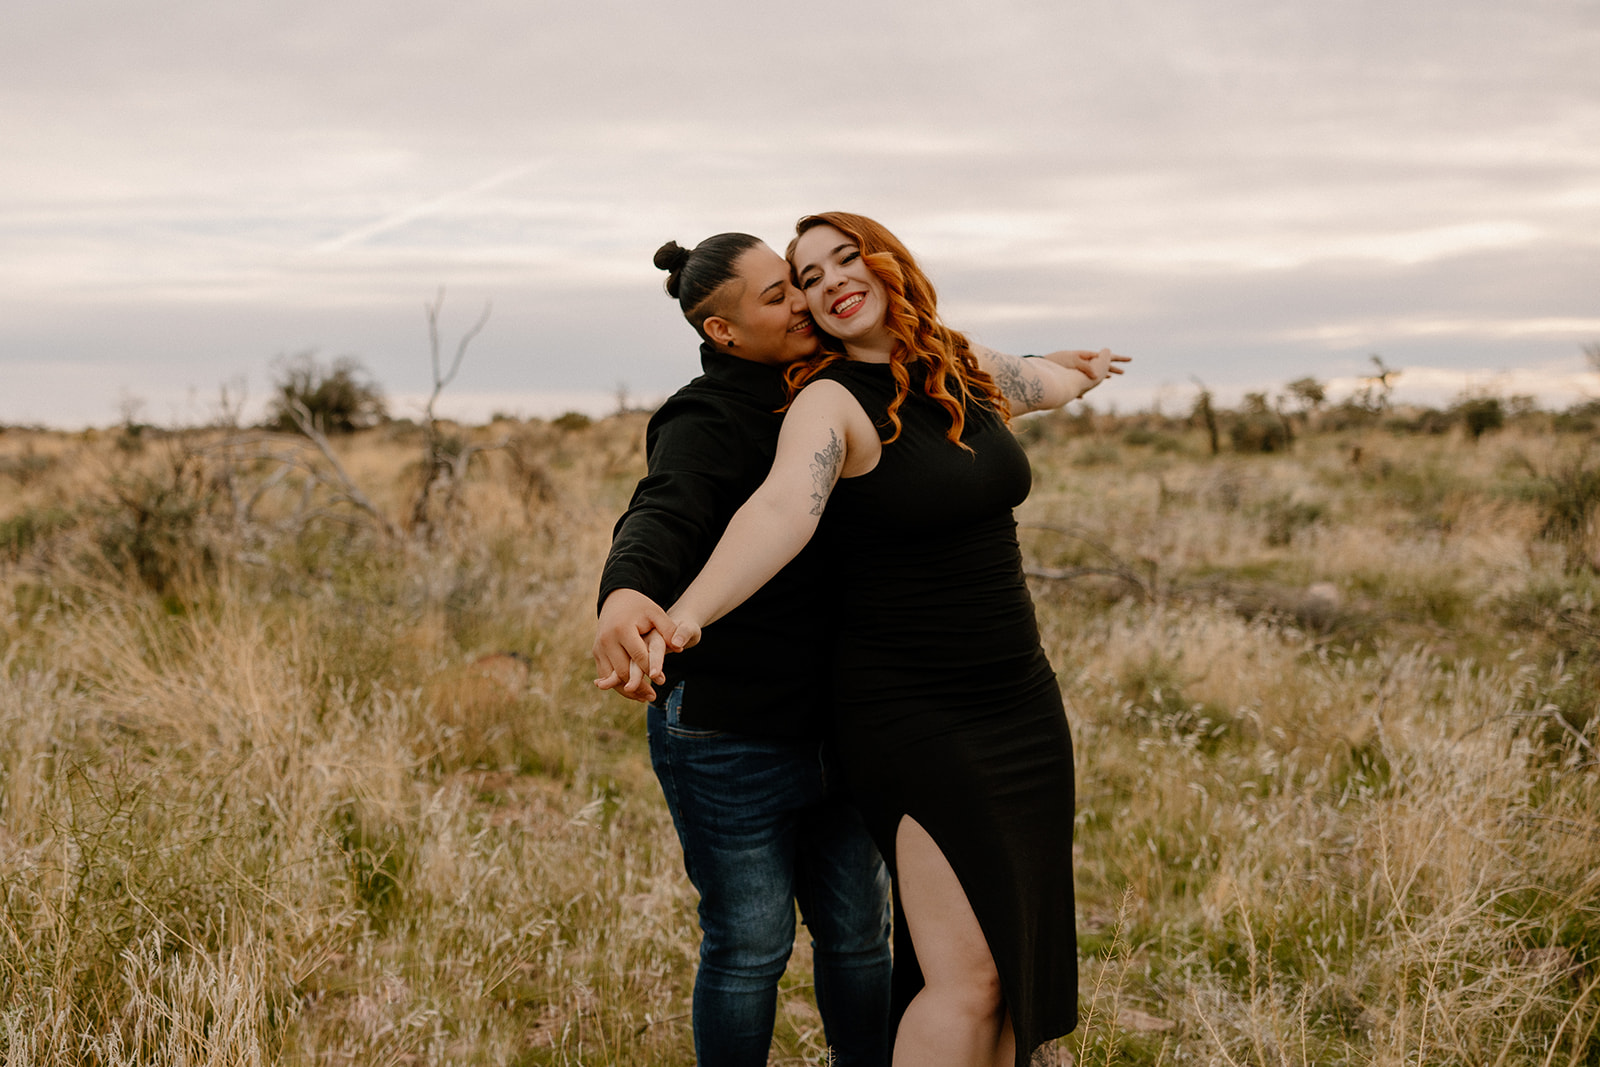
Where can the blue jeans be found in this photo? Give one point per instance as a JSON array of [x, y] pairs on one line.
[[762, 827]]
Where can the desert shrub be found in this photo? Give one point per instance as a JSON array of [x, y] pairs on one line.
[[571, 421], [1348, 415], [340, 397], [1419, 484], [20, 532], [1285, 516], [1157, 440], [1074, 420], [1258, 433], [1097, 453], [1569, 497], [26, 468], [1430, 421], [152, 537], [1138, 435], [1564, 620], [154, 526], [1480, 414], [1580, 418], [1257, 428], [130, 439]]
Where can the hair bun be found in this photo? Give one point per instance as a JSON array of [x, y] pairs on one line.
[[671, 257]]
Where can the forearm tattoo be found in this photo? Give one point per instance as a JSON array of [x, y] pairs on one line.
[[1017, 381], [825, 471]]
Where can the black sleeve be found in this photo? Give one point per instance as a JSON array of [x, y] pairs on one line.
[[680, 507]]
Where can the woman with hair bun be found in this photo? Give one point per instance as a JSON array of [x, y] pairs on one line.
[[754, 795], [896, 454]]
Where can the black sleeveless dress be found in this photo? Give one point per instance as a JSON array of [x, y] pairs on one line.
[[947, 709]]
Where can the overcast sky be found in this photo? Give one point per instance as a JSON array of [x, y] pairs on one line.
[[1239, 191]]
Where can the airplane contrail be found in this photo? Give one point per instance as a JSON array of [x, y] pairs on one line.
[[417, 211]]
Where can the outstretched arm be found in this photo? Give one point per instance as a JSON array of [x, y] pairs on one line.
[[824, 431], [1039, 383]]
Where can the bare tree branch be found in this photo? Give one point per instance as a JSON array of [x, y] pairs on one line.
[[439, 382], [247, 513], [437, 463], [352, 492], [1116, 566]]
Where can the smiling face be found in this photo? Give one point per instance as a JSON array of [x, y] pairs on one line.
[[763, 316], [846, 299]]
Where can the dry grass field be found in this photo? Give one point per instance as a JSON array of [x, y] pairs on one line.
[[280, 786]]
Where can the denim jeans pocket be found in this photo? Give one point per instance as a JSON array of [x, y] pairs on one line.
[[672, 711]]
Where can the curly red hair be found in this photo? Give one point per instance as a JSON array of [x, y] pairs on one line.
[[953, 378]]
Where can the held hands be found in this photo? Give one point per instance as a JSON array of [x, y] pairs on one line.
[[1096, 366], [622, 659], [657, 645], [630, 644], [685, 634]]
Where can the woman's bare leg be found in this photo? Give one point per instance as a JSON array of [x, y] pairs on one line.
[[959, 1019]]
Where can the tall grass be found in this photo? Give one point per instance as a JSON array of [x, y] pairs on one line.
[[276, 787]]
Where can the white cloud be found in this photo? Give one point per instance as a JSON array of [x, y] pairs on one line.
[[1574, 329], [1244, 183]]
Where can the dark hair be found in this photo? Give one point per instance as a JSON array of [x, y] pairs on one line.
[[695, 276]]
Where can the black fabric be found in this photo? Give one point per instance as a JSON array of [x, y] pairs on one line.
[[947, 709], [759, 669]]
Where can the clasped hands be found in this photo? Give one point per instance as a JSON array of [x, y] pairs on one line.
[[1095, 366], [632, 640]]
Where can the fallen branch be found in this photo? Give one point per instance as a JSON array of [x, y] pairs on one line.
[[1116, 567], [302, 418]]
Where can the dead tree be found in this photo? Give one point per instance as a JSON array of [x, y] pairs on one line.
[[1207, 415], [444, 461]]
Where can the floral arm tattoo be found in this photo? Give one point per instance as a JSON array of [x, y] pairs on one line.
[[1017, 381], [825, 471]]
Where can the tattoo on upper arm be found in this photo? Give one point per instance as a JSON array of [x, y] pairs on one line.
[[825, 468], [1018, 382]]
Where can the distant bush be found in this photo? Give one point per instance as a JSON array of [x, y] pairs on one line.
[[1258, 433], [1096, 453], [341, 397], [151, 532], [1308, 393], [1421, 421], [1480, 414], [1258, 428], [1284, 516], [1347, 415], [25, 468], [1570, 499], [572, 420], [1579, 418], [1143, 436]]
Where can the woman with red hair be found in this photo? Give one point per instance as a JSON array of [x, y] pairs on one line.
[[896, 453]]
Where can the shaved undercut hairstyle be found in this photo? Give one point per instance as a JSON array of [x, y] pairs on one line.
[[696, 277]]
